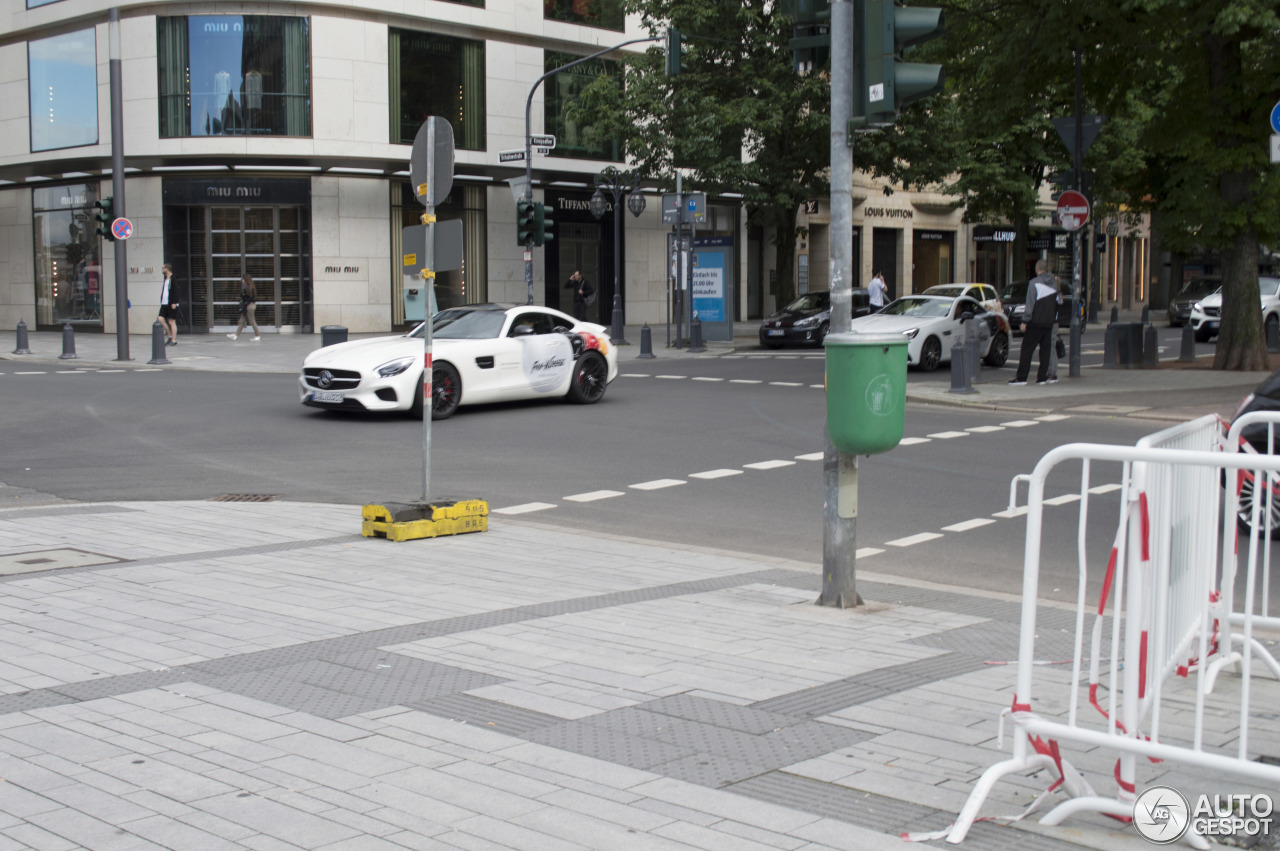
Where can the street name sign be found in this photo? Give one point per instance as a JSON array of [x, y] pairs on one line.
[[543, 141], [542, 150], [1073, 210], [510, 156]]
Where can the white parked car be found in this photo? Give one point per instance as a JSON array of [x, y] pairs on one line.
[[984, 293], [1206, 314], [932, 324], [480, 353]]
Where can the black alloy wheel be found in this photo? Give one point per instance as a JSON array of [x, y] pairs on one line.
[[998, 353], [590, 378], [930, 355], [446, 391]]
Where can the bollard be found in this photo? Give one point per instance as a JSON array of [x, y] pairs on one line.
[[1115, 313], [157, 344], [23, 347], [1273, 336], [695, 335], [1188, 352], [646, 343], [1150, 349], [971, 351], [960, 368], [1109, 347], [68, 343], [1146, 314]]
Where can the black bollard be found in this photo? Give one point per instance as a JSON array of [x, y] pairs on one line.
[[157, 344], [695, 335], [68, 343], [1273, 337], [960, 368], [1115, 313], [646, 343], [1109, 346], [1146, 314], [1150, 349], [1188, 352], [23, 347], [971, 351]]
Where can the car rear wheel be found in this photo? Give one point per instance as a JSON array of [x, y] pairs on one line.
[[823, 331], [930, 355], [590, 378], [1244, 510], [446, 391], [998, 353]]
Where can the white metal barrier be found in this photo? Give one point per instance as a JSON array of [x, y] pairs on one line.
[[1162, 577]]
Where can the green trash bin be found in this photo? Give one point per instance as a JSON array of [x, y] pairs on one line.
[[866, 391]]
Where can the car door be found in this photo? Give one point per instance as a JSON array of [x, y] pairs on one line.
[[541, 357]]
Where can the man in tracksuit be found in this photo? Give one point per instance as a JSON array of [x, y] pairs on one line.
[[1043, 300]]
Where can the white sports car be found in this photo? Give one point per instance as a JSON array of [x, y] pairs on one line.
[[932, 324], [480, 352]]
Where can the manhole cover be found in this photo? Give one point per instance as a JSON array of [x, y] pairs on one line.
[[244, 497]]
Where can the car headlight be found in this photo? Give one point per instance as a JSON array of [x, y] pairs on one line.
[[395, 367], [910, 333], [806, 322], [1197, 306]]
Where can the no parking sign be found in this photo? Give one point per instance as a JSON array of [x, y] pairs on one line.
[[122, 228]]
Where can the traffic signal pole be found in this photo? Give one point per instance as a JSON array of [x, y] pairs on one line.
[[1073, 356], [839, 469], [117, 183]]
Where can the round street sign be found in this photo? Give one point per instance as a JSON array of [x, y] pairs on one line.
[[1073, 210], [122, 228], [1275, 118]]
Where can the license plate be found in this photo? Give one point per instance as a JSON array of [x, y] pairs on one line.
[[1212, 326], [327, 396], [775, 332]]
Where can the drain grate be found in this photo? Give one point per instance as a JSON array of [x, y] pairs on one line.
[[244, 497]]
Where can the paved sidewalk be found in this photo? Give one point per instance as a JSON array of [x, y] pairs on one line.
[[258, 676]]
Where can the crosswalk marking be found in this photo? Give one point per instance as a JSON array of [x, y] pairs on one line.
[[975, 523], [593, 496], [525, 508], [769, 465], [657, 484], [715, 474], [912, 540]]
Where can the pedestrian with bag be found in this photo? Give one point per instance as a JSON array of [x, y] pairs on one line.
[[583, 294], [1043, 301], [169, 306], [248, 305]]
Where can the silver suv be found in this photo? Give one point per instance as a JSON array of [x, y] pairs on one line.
[[1206, 314]]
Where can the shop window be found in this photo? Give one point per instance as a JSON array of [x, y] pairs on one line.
[[68, 256], [574, 132], [437, 75], [63, 75], [31, 4], [234, 75], [606, 14]]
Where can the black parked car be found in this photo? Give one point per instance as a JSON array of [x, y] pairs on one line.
[[1192, 291], [807, 319]]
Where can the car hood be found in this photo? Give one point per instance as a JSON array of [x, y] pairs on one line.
[[1211, 300], [879, 323], [367, 354], [792, 315]]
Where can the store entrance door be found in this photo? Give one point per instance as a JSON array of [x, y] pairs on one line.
[[580, 249]]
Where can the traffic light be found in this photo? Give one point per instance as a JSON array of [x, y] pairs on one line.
[[543, 227], [524, 221], [674, 50], [883, 83], [105, 216], [811, 33]]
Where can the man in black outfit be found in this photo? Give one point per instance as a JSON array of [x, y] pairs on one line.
[[582, 293], [1043, 300]]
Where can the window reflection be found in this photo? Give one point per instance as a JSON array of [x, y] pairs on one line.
[[574, 136], [63, 75], [606, 14], [67, 255], [234, 75], [437, 75]]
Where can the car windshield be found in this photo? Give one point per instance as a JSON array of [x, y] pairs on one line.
[[952, 290], [464, 323], [1199, 287], [1014, 292], [923, 307], [810, 301]]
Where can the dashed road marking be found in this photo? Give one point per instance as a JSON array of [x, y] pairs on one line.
[[593, 496], [1105, 488], [671, 376], [111, 370], [769, 465], [1008, 514], [948, 435], [149, 369], [786, 383], [788, 357], [984, 429], [863, 552], [68, 372], [706, 378], [1063, 500], [1020, 423], [1053, 418], [818, 386], [912, 441], [634, 375], [29, 373], [975, 523], [524, 509], [657, 484], [912, 540], [812, 456], [745, 381], [715, 474]]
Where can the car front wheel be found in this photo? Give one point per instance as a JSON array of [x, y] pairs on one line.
[[1203, 336], [1244, 510], [446, 391], [930, 355], [590, 378], [998, 353]]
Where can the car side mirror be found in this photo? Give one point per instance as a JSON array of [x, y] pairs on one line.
[[966, 316], [522, 331]]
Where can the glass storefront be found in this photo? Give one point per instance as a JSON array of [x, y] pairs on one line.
[[437, 75], [467, 285], [68, 256], [234, 75], [573, 135], [63, 76], [606, 14], [931, 257]]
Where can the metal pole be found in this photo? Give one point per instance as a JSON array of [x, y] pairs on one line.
[[117, 182], [680, 261], [619, 186], [1073, 367], [839, 470], [429, 278]]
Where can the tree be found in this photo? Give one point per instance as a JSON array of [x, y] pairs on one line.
[[739, 120]]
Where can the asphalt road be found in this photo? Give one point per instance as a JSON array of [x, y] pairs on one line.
[[164, 435]]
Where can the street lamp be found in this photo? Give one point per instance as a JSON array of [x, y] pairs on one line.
[[616, 183]]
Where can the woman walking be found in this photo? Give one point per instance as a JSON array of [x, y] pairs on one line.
[[248, 303]]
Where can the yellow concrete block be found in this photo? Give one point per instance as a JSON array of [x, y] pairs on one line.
[[415, 529]]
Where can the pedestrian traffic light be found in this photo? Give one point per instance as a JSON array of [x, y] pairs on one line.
[[524, 221], [543, 226], [674, 50], [883, 83], [105, 216]]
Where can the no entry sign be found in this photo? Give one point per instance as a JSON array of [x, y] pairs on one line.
[[1073, 210]]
